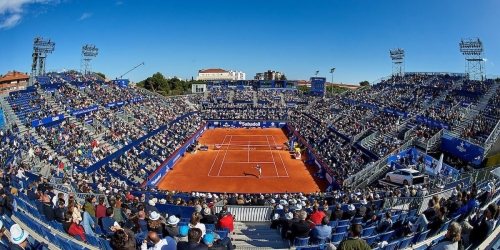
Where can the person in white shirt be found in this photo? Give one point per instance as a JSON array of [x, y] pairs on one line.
[[155, 239]]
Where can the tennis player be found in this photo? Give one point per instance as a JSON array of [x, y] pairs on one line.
[[259, 169]]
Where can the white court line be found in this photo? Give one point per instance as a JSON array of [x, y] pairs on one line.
[[248, 151], [242, 162], [220, 168], [249, 176], [279, 153], [271, 151], [209, 171], [248, 141], [246, 135]]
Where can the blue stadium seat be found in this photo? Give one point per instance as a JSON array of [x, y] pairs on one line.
[[300, 242], [405, 242], [369, 240], [391, 246], [337, 237]]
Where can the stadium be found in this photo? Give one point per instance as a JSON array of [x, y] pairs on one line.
[[408, 161]]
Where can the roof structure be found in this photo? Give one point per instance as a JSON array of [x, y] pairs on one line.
[[14, 75], [218, 70]]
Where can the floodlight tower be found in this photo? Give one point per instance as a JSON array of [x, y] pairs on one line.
[[398, 62], [88, 52], [472, 49], [41, 48]]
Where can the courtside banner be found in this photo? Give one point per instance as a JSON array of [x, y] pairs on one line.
[[246, 124], [462, 149]]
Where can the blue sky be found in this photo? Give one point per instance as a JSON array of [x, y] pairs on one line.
[[177, 38]]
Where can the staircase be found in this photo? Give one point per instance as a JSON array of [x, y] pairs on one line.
[[257, 234], [282, 98], [255, 99], [474, 111], [231, 95], [187, 101]]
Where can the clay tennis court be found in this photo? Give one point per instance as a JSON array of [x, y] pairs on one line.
[[230, 165]]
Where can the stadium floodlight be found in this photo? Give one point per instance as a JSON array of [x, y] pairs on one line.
[[41, 48], [398, 62], [473, 50], [317, 72], [331, 84], [88, 52]]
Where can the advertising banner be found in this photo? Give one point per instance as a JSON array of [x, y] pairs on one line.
[[80, 112], [367, 105], [462, 149], [432, 123], [396, 112], [48, 120], [115, 104]]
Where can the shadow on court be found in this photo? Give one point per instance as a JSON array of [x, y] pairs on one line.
[[248, 174]]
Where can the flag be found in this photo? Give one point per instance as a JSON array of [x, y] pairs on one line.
[[439, 164]]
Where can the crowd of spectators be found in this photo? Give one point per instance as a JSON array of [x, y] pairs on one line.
[[73, 142], [71, 99], [246, 114], [31, 106], [243, 95]]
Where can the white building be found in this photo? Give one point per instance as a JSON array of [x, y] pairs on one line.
[[219, 74]]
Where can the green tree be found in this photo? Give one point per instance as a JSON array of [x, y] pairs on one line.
[[364, 83], [283, 77], [103, 76], [304, 88]]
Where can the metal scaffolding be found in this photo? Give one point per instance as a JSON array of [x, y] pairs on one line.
[[473, 50], [398, 62], [41, 48], [88, 52]]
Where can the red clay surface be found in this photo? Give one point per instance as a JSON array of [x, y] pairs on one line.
[[232, 167]]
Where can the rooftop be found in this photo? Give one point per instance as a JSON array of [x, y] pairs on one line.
[[14, 75], [218, 70]]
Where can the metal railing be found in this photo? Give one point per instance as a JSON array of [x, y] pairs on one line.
[[356, 137], [434, 139], [410, 132], [248, 213], [369, 138], [367, 175], [492, 137], [414, 203]]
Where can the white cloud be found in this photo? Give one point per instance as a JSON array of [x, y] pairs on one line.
[[85, 16], [119, 3], [12, 11]]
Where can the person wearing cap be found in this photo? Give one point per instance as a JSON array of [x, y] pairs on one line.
[[225, 221], [155, 223], [149, 207], [158, 244], [18, 238], [171, 229], [350, 213], [4, 240], [183, 234], [194, 239], [208, 216], [214, 244], [354, 241]]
